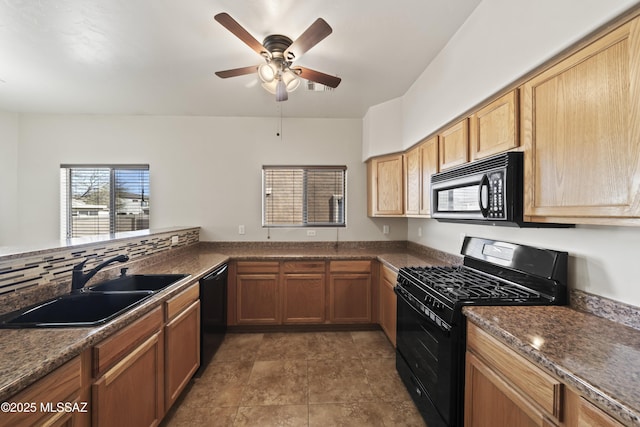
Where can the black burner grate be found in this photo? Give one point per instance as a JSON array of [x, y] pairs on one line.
[[461, 283]]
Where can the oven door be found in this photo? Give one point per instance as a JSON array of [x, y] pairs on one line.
[[427, 363]]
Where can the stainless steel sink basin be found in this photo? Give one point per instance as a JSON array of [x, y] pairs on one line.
[[138, 282], [77, 310]]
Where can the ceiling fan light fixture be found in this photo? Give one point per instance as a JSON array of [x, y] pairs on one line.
[[281, 91], [271, 86], [291, 80], [267, 72]]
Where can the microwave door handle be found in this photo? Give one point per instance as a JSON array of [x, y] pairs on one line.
[[483, 196]]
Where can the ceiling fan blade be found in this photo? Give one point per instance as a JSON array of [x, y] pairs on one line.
[[232, 25], [318, 77], [311, 37], [237, 72]]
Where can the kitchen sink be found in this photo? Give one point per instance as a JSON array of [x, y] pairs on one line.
[[77, 310], [138, 282]]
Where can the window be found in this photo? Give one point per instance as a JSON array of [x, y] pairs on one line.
[[103, 199], [302, 196]]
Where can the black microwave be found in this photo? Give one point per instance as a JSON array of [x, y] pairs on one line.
[[487, 191]]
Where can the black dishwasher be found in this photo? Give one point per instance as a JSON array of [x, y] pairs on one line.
[[213, 314]]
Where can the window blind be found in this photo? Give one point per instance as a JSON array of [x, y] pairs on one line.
[[103, 199], [299, 196]]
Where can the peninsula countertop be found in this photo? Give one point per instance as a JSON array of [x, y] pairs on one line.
[[27, 355], [597, 357]]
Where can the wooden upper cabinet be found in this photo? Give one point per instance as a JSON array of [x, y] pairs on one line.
[[419, 164], [412, 182], [580, 128], [454, 145], [428, 166], [385, 189], [494, 128]]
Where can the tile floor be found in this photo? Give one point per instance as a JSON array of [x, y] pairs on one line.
[[298, 379]]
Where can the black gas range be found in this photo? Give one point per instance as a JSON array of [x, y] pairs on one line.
[[431, 330]]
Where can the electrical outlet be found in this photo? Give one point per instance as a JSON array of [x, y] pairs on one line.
[[311, 233], [419, 231], [175, 240], [241, 229], [385, 229]]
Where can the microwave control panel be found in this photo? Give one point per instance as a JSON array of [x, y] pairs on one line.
[[496, 195]]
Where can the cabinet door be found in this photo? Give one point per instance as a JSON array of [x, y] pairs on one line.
[[303, 298], [491, 401], [580, 128], [182, 351], [131, 393], [388, 303], [412, 182], [350, 298], [494, 128], [428, 166], [590, 415], [385, 186], [454, 145], [257, 299]]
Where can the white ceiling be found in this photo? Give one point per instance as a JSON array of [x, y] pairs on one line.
[[159, 56]]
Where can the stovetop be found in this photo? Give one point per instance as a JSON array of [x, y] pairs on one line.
[[460, 283], [493, 273]]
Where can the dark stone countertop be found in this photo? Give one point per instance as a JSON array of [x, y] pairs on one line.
[[598, 358], [27, 355]]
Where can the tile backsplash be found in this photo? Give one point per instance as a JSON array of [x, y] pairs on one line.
[[48, 272]]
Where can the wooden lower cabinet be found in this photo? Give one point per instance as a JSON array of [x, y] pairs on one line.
[[302, 292], [503, 389], [303, 298], [492, 401], [350, 292], [388, 303], [130, 393], [182, 344], [38, 403], [129, 367], [257, 297]]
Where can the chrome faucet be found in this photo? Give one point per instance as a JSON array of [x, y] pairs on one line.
[[79, 279]]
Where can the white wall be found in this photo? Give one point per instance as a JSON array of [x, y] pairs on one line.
[[382, 129], [501, 41], [204, 171], [9, 134]]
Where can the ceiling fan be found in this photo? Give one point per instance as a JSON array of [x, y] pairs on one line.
[[279, 52]]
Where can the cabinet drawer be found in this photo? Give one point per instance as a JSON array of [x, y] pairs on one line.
[[303, 266], [590, 415], [540, 387], [61, 385], [181, 301], [121, 343], [248, 267], [350, 266]]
